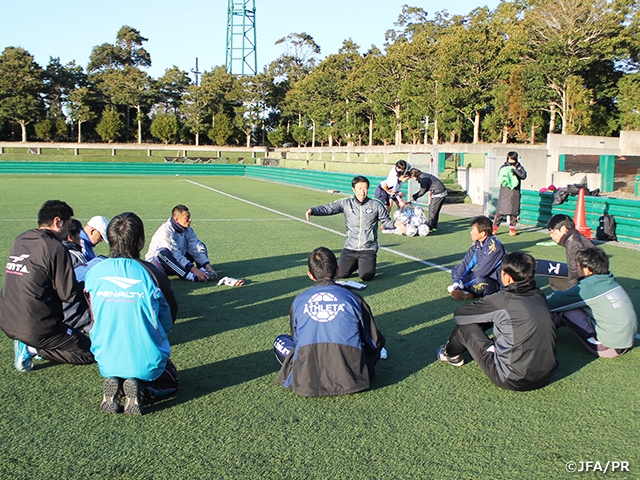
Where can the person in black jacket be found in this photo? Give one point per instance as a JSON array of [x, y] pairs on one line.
[[433, 185], [38, 278], [562, 230], [522, 353]]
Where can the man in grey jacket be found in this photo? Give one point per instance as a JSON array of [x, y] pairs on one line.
[[361, 217], [176, 249]]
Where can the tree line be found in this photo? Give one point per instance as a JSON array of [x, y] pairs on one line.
[[508, 75]]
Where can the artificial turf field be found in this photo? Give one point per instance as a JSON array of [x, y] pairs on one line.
[[422, 419]]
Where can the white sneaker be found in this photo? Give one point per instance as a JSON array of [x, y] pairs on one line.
[[191, 277]]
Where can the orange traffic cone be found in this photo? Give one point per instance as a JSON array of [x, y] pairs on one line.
[[580, 216]]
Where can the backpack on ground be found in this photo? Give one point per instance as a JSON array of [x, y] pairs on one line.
[[606, 230]]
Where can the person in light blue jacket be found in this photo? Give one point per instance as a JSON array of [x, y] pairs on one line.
[[134, 310]]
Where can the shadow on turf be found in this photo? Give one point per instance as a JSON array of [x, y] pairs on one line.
[[203, 380]]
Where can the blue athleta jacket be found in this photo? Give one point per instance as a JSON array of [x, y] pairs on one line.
[[131, 319], [337, 343]]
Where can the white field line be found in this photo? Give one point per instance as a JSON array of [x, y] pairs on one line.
[[386, 249]]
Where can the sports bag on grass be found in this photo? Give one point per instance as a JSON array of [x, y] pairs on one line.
[[606, 230]]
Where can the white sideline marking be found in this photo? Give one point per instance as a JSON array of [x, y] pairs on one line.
[[200, 219], [386, 249]]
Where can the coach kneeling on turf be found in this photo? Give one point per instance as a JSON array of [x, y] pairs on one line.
[[335, 344], [361, 217]]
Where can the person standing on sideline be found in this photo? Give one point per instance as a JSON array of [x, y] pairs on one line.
[[389, 189], [129, 337], [38, 279], [437, 190], [361, 217], [510, 176], [334, 344]]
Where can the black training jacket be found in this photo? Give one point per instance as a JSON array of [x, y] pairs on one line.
[[523, 333], [38, 278]]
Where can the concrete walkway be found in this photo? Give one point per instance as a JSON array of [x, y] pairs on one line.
[[462, 210]]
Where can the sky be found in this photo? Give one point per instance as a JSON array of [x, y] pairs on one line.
[[180, 31]]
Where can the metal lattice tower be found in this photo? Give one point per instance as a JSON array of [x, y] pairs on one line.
[[241, 37]]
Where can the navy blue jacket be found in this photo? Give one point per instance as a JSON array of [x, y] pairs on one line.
[[483, 258], [337, 343]]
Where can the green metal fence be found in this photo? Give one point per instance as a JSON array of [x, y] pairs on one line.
[[99, 168], [536, 209]]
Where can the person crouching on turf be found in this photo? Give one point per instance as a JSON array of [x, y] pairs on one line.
[[133, 309], [334, 344], [389, 189], [176, 249], [479, 272], [522, 353]]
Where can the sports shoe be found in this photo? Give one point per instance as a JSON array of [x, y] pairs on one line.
[[133, 402], [456, 361], [191, 277], [512, 232], [111, 396], [23, 359], [458, 294], [495, 230]]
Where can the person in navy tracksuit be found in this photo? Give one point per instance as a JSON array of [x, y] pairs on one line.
[[335, 343], [478, 274]]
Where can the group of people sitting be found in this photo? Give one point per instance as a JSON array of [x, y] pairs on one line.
[[317, 359], [116, 311], [127, 307]]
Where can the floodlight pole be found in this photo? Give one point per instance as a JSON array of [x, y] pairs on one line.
[[241, 37], [196, 72]]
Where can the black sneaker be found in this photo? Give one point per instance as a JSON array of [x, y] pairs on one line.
[[456, 361], [112, 396], [133, 402]]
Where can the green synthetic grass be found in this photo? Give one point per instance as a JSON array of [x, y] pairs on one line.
[[421, 419]]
